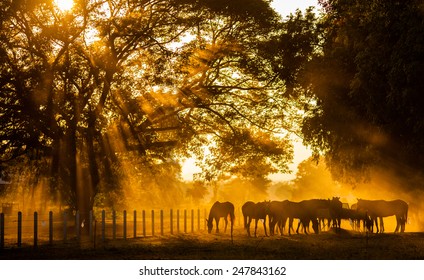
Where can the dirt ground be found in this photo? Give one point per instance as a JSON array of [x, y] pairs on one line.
[[344, 245]]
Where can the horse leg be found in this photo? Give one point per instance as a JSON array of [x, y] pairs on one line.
[[226, 223], [283, 224], [265, 227], [376, 224], [381, 225], [248, 221], [280, 226], [271, 222], [256, 225], [402, 225], [217, 223], [398, 223], [305, 224], [290, 225], [270, 225]]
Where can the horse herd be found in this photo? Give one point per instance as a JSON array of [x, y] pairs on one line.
[[318, 212]]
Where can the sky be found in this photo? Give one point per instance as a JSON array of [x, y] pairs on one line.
[[284, 7]]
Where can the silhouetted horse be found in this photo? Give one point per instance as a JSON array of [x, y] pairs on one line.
[[301, 211], [336, 207], [369, 222], [356, 217], [221, 210], [255, 211], [277, 216], [324, 215], [307, 211], [381, 208], [330, 210]]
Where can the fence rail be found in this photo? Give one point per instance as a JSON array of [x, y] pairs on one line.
[[17, 230]]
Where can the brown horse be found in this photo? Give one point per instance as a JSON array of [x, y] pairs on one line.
[[221, 210], [382, 208], [257, 211]]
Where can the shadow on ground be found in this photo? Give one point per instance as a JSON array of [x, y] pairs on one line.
[[344, 245]]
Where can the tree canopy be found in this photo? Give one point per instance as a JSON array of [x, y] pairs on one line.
[[368, 84], [111, 93], [102, 101]]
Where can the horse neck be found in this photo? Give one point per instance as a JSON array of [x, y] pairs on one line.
[[211, 215]]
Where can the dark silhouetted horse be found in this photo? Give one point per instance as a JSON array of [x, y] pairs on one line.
[[221, 210], [356, 217], [330, 211], [255, 211], [308, 211], [277, 216], [382, 208], [301, 211]]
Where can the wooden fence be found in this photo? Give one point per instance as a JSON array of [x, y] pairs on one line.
[[48, 228]]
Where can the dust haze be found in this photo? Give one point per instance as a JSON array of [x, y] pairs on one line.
[[158, 189]]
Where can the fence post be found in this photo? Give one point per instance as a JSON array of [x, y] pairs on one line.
[[19, 229], [113, 224], [171, 224], [90, 226], [192, 220], [1, 230], [77, 225], [204, 222], [125, 225], [135, 224], [144, 222], [185, 220], [103, 225], [35, 229], [198, 219], [178, 220], [51, 227], [153, 222], [65, 226], [161, 222]]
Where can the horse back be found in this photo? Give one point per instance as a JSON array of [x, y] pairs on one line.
[[383, 208], [221, 209]]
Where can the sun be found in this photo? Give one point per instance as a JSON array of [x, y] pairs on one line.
[[64, 5]]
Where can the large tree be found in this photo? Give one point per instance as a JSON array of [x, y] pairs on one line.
[[112, 92], [368, 84]]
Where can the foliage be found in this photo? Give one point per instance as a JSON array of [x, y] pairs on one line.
[[116, 85], [368, 87]]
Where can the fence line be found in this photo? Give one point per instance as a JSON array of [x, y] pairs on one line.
[[1, 230], [68, 227]]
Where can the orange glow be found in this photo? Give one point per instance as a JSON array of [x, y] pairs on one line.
[[64, 5]]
